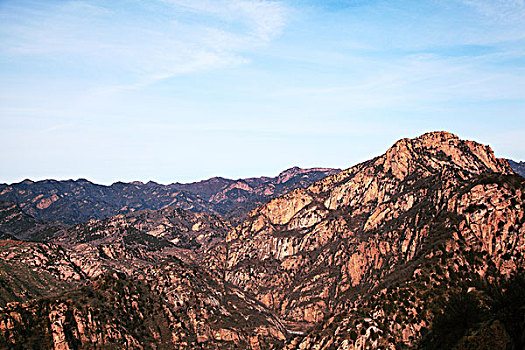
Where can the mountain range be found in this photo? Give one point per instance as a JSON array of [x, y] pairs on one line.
[[421, 247], [76, 201]]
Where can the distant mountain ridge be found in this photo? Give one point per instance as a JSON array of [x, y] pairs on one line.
[[518, 167], [76, 201]]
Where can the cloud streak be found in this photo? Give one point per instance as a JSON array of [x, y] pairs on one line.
[[144, 47]]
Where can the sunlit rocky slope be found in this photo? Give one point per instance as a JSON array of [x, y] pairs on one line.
[[431, 213]]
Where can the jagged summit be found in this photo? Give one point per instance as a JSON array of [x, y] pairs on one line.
[[436, 150], [430, 137], [297, 172], [435, 154], [437, 135]]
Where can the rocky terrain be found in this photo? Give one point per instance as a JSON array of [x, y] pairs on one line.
[[15, 222], [421, 247], [30, 270], [117, 283], [143, 237], [434, 201], [233, 199], [182, 228], [76, 201], [165, 306]]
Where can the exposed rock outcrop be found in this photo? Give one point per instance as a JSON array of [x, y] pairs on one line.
[[170, 306], [23, 226]]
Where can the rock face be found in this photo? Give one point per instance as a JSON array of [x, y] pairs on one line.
[[117, 283], [468, 247], [169, 306], [33, 270], [73, 202], [326, 249], [108, 292]]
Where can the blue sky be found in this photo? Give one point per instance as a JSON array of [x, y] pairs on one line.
[[182, 90]]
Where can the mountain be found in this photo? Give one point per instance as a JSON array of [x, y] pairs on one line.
[[143, 237], [75, 201], [184, 229], [117, 283], [422, 247], [518, 167], [30, 270], [368, 255]]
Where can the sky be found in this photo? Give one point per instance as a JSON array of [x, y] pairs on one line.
[[183, 90]]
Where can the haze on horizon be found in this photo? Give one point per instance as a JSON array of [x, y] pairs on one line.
[[182, 90]]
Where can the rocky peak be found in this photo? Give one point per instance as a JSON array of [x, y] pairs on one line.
[[287, 174], [382, 255], [431, 154], [312, 251], [437, 151]]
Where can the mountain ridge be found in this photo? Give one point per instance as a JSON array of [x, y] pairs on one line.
[[75, 201]]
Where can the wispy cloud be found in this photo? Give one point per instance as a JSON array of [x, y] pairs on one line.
[[412, 83], [263, 20], [188, 36], [501, 20], [500, 10]]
